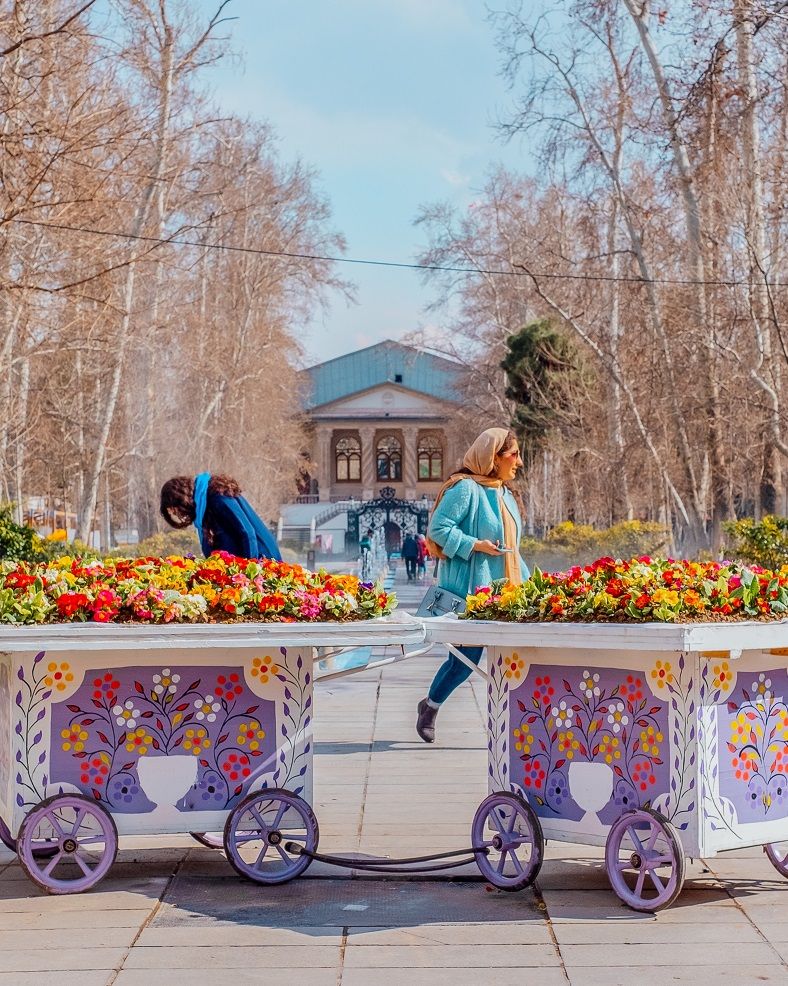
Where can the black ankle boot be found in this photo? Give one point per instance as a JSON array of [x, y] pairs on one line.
[[425, 722]]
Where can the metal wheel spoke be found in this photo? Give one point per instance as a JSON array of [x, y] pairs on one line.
[[634, 837], [260, 857], [510, 830], [501, 863], [78, 821], [87, 870], [284, 855], [660, 886], [251, 837], [279, 815], [639, 885], [499, 823], [258, 818], [516, 861], [52, 818], [663, 860], [520, 840], [91, 840], [655, 834], [297, 838]]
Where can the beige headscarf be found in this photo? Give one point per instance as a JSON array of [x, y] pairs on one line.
[[480, 459]]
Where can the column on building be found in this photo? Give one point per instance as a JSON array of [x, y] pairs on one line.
[[367, 436], [410, 438], [324, 461]]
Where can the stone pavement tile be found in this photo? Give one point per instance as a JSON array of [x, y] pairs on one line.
[[234, 957], [590, 905], [96, 899], [450, 956], [656, 954], [61, 959], [95, 977], [212, 975], [456, 976], [773, 931], [654, 932], [533, 932], [782, 950], [231, 934], [45, 919], [737, 975], [84, 936]]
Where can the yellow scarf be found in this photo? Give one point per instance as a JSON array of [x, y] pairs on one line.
[[480, 460]]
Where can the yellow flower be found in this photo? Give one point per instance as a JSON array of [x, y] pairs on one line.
[[514, 667], [139, 741], [668, 596], [59, 675], [262, 667], [196, 739], [74, 738], [722, 675], [250, 733], [661, 673]]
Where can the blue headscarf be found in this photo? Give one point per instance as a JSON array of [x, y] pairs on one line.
[[200, 503]]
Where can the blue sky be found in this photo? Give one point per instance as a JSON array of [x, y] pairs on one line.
[[392, 102]]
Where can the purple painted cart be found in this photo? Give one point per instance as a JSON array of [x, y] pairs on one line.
[[655, 741], [108, 730]]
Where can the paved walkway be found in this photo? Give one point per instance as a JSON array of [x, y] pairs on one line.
[[174, 913]]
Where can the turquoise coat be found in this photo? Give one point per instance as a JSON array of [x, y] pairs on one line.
[[468, 513]]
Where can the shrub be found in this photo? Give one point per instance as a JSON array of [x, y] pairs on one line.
[[762, 542], [570, 544], [17, 541]]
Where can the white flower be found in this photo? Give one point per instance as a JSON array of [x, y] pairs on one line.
[[207, 708], [165, 682], [589, 684], [617, 718], [562, 715], [126, 715], [762, 687]]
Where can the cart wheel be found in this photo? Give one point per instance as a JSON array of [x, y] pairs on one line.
[[257, 832], [639, 844], [211, 840], [777, 854], [87, 843], [42, 850], [506, 827]]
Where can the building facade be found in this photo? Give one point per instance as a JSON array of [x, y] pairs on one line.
[[381, 418]]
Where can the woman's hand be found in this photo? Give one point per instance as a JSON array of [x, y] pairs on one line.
[[488, 548]]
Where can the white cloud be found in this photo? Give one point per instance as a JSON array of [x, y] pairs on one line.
[[454, 178]]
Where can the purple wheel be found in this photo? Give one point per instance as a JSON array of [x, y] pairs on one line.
[[259, 829], [507, 841], [211, 840], [42, 850], [777, 854], [87, 843], [645, 860]]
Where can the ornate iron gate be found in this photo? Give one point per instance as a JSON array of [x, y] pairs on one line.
[[386, 511]]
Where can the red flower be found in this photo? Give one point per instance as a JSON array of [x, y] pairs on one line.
[[71, 602], [19, 580]]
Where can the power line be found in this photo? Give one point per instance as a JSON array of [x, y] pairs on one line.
[[359, 261]]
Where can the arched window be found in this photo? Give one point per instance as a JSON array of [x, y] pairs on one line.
[[430, 458], [389, 459], [347, 460]]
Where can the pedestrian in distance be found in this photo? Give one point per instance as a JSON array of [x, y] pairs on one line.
[[410, 552], [475, 531], [421, 557], [223, 517]]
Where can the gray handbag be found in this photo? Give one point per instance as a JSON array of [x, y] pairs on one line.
[[440, 602]]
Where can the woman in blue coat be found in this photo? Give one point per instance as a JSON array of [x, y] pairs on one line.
[[224, 519], [475, 531]]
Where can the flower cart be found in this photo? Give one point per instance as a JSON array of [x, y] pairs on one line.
[[654, 740], [109, 730]]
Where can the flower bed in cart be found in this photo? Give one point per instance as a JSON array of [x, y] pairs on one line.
[[641, 590], [222, 588]]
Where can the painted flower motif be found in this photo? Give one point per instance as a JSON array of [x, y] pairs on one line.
[[722, 675], [557, 789], [139, 741], [74, 739], [624, 795], [762, 687], [617, 717], [609, 748], [778, 789], [124, 790], [262, 668], [514, 667], [94, 770], [632, 689], [534, 775], [643, 774], [523, 738], [757, 794], [236, 766], [166, 682], [250, 735], [562, 715], [544, 691], [229, 686], [126, 715], [207, 708], [589, 684], [650, 738], [567, 744], [59, 676], [662, 674], [196, 739], [212, 788], [106, 688]]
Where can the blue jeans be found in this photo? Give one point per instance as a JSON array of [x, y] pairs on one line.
[[452, 673]]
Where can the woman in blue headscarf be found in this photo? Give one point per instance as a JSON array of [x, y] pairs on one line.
[[224, 519]]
